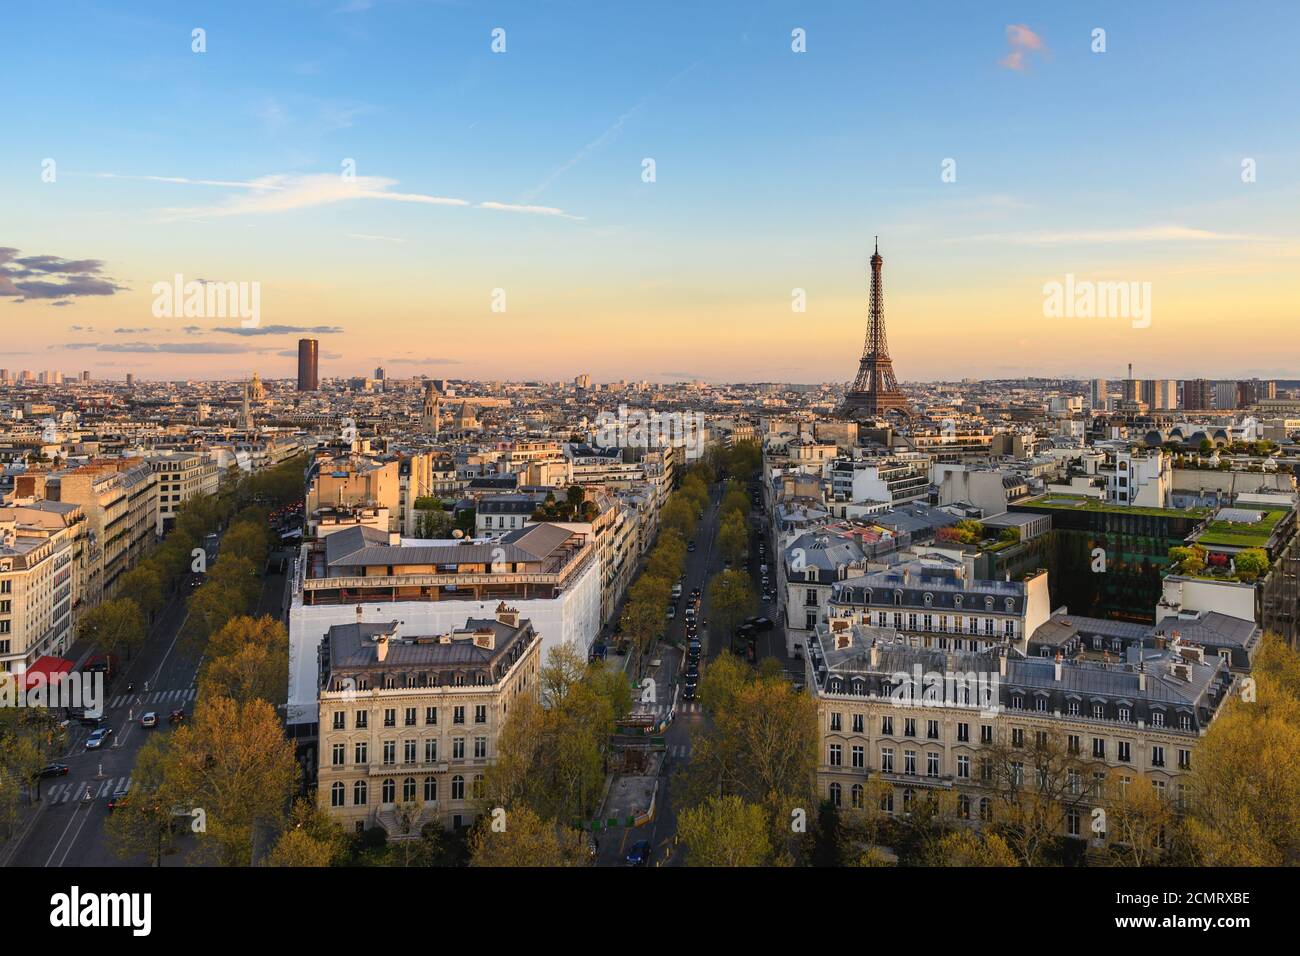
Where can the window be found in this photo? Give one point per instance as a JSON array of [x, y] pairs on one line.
[[887, 760], [963, 807], [477, 787], [856, 797], [431, 751], [390, 754], [963, 767], [408, 790], [932, 729], [359, 753], [1157, 756], [1017, 773], [887, 726], [430, 789], [359, 794], [963, 733], [1040, 739], [457, 748], [887, 801], [1124, 714], [986, 733], [1157, 718], [339, 717], [835, 758], [931, 764], [835, 721], [336, 760], [858, 724], [480, 748], [1072, 708], [834, 791], [458, 787], [389, 793], [1017, 736], [1124, 752], [1072, 822], [409, 717], [480, 714], [986, 809], [909, 727], [431, 716], [1184, 759], [458, 715], [1098, 711], [1040, 703], [1072, 743], [336, 794], [859, 758], [1099, 748], [362, 720], [909, 763], [390, 717], [1184, 722]]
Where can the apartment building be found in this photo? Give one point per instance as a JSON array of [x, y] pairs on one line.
[[351, 480], [120, 499], [894, 479], [409, 719], [552, 574], [925, 719], [181, 476], [42, 555]]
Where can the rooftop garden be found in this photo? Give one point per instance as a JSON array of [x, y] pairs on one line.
[[1238, 534], [1083, 503], [1245, 566]]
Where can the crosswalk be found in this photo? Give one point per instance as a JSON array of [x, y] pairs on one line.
[[98, 789], [679, 751], [690, 707], [155, 697]]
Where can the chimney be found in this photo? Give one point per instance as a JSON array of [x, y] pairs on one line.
[[381, 647], [358, 613], [509, 616], [875, 655], [1057, 668], [1002, 662], [1142, 675]]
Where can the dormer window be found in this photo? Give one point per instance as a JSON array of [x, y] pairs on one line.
[[929, 599], [898, 598], [1011, 605], [956, 600], [988, 604]]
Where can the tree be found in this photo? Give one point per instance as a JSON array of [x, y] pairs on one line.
[[963, 847], [731, 600], [248, 659], [209, 609], [233, 761], [144, 826], [29, 738], [296, 848], [311, 838], [678, 516], [525, 840], [1244, 788], [733, 538], [725, 831], [115, 627], [1251, 563], [143, 584], [1139, 820], [248, 540]]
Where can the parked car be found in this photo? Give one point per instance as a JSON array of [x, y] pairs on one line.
[[97, 738], [759, 623], [88, 721], [149, 719], [53, 770], [672, 611], [176, 716], [640, 854]]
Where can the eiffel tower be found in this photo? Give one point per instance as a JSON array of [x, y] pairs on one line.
[[875, 391]]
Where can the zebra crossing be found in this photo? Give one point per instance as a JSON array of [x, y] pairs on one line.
[[679, 751], [155, 697], [690, 707], [98, 789]]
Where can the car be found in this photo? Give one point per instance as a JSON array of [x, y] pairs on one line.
[[97, 738], [53, 770], [764, 624], [672, 611], [86, 720], [690, 545], [693, 674], [118, 800], [695, 592], [763, 569], [176, 716], [640, 854], [688, 692], [149, 719]]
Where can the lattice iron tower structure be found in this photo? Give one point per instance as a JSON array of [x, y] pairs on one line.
[[875, 391]]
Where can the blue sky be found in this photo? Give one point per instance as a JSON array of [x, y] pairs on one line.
[[773, 171]]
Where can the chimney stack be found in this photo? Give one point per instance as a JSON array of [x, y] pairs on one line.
[[1002, 662], [1057, 668]]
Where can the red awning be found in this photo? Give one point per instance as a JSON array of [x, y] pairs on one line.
[[51, 667]]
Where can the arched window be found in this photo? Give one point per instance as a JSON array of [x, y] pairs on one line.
[[907, 799], [389, 791], [336, 794], [855, 795], [986, 809], [458, 787], [956, 601], [476, 786], [988, 604], [835, 794], [929, 599], [408, 790], [1011, 605], [359, 796], [430, 789], [963, 807], [898, 598]]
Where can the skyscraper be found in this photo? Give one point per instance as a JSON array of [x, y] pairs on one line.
[[308, 365]]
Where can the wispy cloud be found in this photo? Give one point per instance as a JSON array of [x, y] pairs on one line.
[[278, 330], [1103, 236], [1022, 41], [171, 348], [285, 193]]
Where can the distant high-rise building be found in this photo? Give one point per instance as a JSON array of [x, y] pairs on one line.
[[379, 373], [130, 378], [582, 381], [1198, 394], [85, 376], [1099, 392], [1225, 395], [308, 365]]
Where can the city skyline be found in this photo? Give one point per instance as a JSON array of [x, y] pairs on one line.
[[480, 172]]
